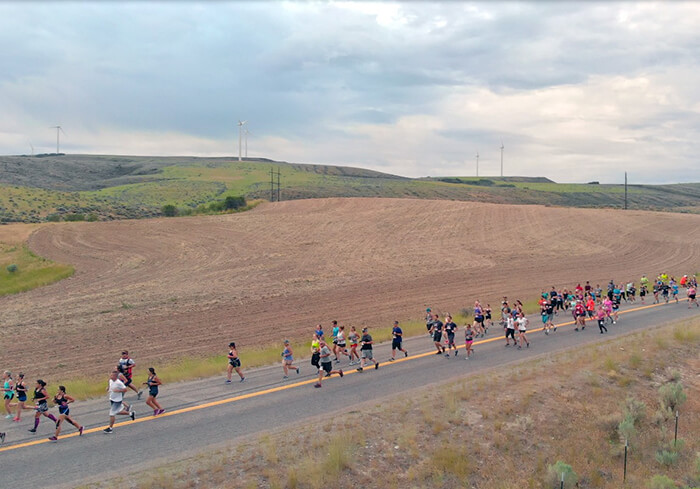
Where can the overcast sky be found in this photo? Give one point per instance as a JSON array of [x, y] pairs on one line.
[[574, 91]]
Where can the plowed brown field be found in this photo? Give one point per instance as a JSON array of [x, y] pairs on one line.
[[166, 288]]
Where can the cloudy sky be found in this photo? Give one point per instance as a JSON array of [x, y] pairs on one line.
[[574, 91]]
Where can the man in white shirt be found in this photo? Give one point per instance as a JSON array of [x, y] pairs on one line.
[[118, 407]]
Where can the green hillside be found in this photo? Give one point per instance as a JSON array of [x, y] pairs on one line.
[[38, 188]]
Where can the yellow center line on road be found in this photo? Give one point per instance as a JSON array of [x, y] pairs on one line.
[[281, 388]]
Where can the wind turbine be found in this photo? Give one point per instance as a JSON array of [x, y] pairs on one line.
[[59, 130], [477, 163], [240, 137], [246, 132], [30, 144], [502, 147]]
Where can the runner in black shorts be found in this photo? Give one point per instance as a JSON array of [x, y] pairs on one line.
[[126, 368], [341, 345], [692, 292], [469, 340], [234, 363], [396, 341], [326, 364], [315, 355], [436, 331], [509, 326], [479, 319], [450, 328], [428, 319], [489, 321]]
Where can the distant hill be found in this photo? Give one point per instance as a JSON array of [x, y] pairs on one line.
[[58, 186]]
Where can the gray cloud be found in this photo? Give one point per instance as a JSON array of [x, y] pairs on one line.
[[352, 81]]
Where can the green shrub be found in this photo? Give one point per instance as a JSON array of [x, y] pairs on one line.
[[92, 217], [216, 206], [666, 457], [635, 410], [232, 202], [672, 395], [668, 454], [169, 210], [73, 217], [53, 217], [661, 482], [554, 473], [627, 430], [12, 268], [662, 415]]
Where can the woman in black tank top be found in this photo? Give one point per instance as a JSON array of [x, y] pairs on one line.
[[21, 390], [62, 400], [153, 382], [41, 398]]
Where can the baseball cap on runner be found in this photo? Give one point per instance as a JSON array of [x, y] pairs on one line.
[[427, 310], [364, 330]]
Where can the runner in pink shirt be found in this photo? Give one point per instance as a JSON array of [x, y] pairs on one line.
[[601, 319], [607, 306], [692, 291]]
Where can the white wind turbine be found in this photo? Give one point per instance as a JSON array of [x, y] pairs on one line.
[[59, 130], [246, 132], [502, 148], [240, 138]]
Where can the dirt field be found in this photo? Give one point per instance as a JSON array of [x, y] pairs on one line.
[[165, 288]]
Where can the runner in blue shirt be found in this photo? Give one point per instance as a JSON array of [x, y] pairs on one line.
[[396, 340]]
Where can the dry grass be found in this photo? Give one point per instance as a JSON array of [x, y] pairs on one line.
[[484, 432]]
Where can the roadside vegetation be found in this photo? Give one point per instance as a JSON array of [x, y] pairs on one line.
[[519, 426]]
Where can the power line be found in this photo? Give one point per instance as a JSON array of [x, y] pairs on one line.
[[278, 192]]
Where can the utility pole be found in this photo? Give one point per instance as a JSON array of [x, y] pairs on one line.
[[625, 190], [279, 198], [59, 130], [477, 163], [272, 184]]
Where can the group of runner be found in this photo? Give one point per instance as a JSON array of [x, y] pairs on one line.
[[120, 380], [584, 302]]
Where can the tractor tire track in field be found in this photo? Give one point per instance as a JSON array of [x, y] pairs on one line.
[[166, 288]]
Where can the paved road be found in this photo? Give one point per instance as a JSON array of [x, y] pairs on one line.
[[208, 414]]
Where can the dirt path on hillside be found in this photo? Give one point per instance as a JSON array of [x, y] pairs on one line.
[[166, 288]]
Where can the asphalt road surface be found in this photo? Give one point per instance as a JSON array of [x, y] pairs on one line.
[[208, 414]]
